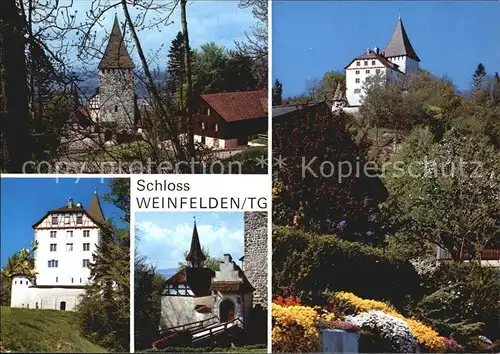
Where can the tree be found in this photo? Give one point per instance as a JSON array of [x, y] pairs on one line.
[[277, 93], [209, 64], [238, 73], [104, 309], [447, 192], [319, 188], [176, 71], [326, 87], [212, 263], [148, 287], [478, 78]]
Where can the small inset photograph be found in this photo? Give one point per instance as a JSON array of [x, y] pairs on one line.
[[201, 281], [65, 258]]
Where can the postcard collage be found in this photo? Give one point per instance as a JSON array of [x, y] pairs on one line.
[[250, 176]]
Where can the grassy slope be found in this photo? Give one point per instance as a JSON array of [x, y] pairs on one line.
[[32, 330]]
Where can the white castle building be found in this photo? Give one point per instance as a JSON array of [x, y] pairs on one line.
[[398, 59], [67, 238]]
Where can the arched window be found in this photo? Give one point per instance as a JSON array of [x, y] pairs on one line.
[[226, 310], [62, 306]]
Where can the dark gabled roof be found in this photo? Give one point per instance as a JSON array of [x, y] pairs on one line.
[[400, 43], [237, 106], [198, 279], [116, 55], [195, 255], [95, 210]]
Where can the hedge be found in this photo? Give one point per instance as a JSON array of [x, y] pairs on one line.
[[307, 265]]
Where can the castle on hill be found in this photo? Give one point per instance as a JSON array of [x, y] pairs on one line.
[[392, 64], [67, 237]]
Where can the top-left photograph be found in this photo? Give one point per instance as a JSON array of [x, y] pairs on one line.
[[134, 86]]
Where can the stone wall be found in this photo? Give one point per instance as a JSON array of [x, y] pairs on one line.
[[255, 265], [116, 98]]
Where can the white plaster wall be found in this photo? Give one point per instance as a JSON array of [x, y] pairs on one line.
[[355, 99], [406, 64], [70, 270], [19, 290], [227, 271], [223, 144], [47, 298]]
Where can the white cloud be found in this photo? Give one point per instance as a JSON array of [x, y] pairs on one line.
[[165, 247]]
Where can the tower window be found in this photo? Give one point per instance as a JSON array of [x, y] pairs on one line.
[[116, 108]]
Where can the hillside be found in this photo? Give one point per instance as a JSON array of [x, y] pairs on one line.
[[30, 330]]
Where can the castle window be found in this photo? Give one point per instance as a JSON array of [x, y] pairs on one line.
[[357, 90], [72, 279], [69, 247], [53, 263], [367, 71], [366, 63], [358, 63], [357, 81], [377, 71], [86, 246], [116, 108], [80, 280], [54, 220], [79, 219], [86, 233], [53, 234], [66, 219], [69, 233], [357, 72], [53, 247], [57, 279], [86, 263], [373, 62]]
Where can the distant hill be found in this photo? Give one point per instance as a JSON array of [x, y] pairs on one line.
[[167, 273], [31, 330]]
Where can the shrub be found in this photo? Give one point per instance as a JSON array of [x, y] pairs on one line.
[[287, 301], [294, 329], [425, 335], [393, 329], [306, 265], [452, 346]]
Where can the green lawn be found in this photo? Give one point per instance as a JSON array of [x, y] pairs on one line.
[[31, 330]]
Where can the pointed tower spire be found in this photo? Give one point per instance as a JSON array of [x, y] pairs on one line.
[[195, 255], [116, 55], [400, 44], [95, 210]]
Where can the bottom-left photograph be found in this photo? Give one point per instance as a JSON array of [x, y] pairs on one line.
[[65, 265]]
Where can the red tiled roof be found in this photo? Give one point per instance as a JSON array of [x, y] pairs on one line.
[[230, 286], [236, 106]]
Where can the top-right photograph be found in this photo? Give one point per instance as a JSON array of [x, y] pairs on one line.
[[386, 176]]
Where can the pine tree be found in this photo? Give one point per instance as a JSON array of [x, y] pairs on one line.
[[176, 71], [277, 93], [104, 310]]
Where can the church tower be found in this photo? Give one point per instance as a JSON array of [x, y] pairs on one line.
[[116, 83], [400, 51], [195, 256]]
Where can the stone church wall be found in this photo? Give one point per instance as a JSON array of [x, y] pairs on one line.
[[255, 265]]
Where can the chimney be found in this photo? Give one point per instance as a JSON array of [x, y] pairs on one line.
[[367, 50], [375, 50], [70, 202]]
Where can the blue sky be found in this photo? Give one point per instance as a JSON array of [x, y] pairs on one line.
[[311, 38], [222, 22], [164, 237], [25, 200]]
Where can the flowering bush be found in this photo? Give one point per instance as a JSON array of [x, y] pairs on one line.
[[294, 329], [452, 346], [393, 329], [425, 335], [287, 301]]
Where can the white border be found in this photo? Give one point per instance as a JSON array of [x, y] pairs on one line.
[[269, 172]]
